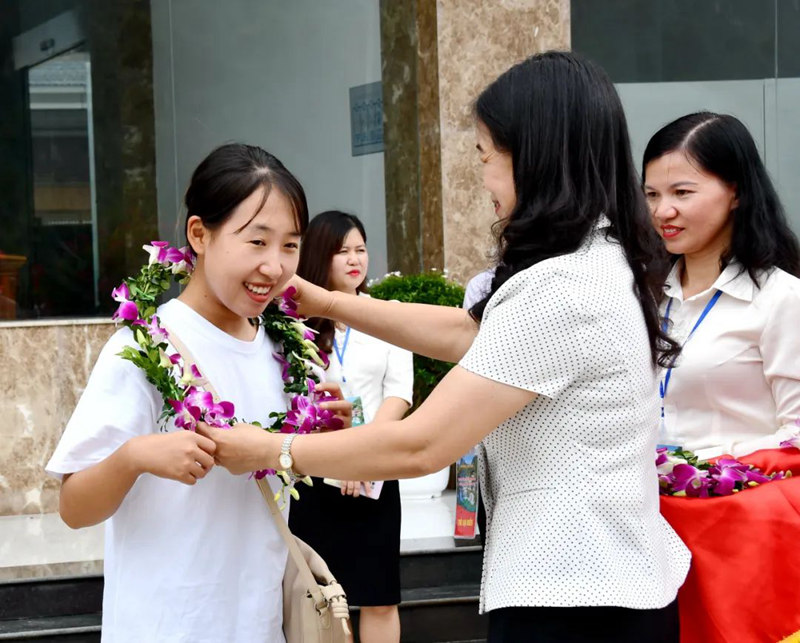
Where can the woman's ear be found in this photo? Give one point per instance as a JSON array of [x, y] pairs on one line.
[[197, 234]]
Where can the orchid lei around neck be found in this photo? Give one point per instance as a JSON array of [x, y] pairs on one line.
[[182, 385]]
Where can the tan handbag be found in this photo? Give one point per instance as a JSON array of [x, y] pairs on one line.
[[314, 604]]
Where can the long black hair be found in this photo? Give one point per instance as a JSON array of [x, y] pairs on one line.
[[721, 145], [230, 174], [323, 239], [561, 120]]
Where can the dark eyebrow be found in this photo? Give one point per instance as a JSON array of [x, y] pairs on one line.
[[260, 227], [647, 186]]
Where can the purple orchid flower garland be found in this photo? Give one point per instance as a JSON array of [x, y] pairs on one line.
[[680, 473], [181, 385]]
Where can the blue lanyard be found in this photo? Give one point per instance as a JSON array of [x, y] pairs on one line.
[[340, 354], [665, 382]]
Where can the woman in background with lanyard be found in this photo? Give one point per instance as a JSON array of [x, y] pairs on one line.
[[732, 297], [733, 302], [359, 537]]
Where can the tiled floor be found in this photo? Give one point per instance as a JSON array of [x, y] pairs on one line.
[[42, 545]]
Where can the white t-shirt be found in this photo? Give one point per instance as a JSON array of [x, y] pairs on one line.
[[736, 385], [374, 370], [200, 563], [570, 482]]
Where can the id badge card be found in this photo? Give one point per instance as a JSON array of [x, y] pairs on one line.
[[358, 420], [358, 410]]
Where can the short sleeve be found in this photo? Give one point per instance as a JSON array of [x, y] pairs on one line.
[[117, 404], [533, 335], [399, 378]]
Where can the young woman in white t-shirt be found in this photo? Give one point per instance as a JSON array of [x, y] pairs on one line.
[[191, 552], [358, 537], [556, 380]]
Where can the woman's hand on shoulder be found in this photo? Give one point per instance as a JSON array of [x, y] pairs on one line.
[[311, 300], [180, 455]]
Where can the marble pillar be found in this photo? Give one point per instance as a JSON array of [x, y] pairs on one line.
[[438, 215], [412, 166]]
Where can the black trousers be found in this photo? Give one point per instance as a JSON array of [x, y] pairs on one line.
[[584, 625]]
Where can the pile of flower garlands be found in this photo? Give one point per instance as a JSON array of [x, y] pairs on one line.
[[181, 385], [680, 473]]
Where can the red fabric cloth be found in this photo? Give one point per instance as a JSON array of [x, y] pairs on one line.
[[744, 582]]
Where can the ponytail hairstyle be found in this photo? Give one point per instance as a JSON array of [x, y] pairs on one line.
[[230, 174]]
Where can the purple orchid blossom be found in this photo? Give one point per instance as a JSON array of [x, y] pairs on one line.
[[287, 305], [158, 334], [284, 366], [186, 415], [191, 376], [793, 442], [691, 480], [128, 310], [727, 474], [161, 252], [184, 265]]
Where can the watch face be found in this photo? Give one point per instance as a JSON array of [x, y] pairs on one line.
[[285, 460]]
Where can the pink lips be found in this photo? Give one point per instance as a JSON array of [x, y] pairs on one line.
[[670, 232], [258, 298]]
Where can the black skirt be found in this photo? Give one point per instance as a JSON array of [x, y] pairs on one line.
[[584, 625], [359, 538]]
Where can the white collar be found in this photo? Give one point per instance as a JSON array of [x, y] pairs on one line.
[[734, 281]]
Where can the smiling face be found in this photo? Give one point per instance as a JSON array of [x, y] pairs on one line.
[[350, 264], [243, 264], [498, 173], [691, 209]]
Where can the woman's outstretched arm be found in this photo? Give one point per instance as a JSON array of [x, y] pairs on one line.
[[460, 411], [440, 332]]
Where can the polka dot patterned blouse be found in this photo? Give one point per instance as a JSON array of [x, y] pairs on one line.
[[569, 482]]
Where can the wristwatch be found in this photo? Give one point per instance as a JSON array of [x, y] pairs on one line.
[[285, 458]]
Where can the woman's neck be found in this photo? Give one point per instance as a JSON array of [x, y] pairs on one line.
[[700, 271], [216, 314]]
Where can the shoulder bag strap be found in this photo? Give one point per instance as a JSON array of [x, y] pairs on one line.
[[294, 551]]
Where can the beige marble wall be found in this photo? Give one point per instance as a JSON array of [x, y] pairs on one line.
[[43, 370], [477, 41]]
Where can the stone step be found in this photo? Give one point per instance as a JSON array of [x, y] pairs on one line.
[[439, 602]]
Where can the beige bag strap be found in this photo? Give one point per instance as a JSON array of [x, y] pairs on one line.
[[294, 551]]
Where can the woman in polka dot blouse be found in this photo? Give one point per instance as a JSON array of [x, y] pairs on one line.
[[556, 375]]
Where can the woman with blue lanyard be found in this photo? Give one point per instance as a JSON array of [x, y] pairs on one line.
[[733, 302], [732, 297], [359, 537]]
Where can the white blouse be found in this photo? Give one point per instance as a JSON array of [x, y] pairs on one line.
[[736, 385], [570, 482], [372, 369]]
